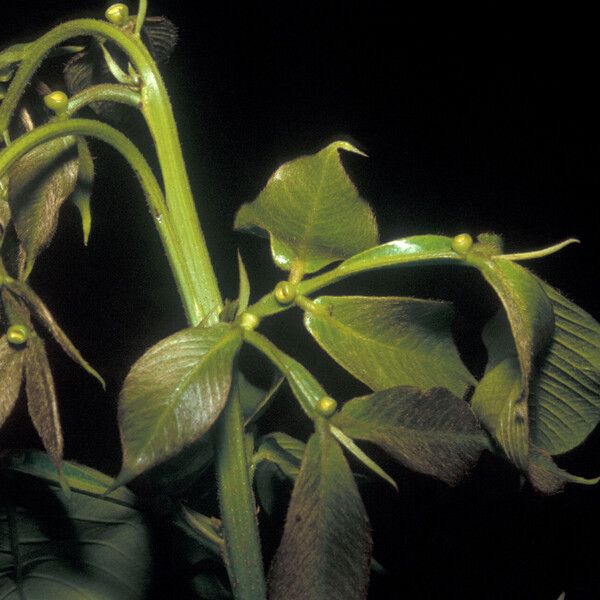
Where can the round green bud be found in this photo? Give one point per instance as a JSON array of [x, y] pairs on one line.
[[17, 335], [57, 102], [249, 321], [285, 292], [326, 406], [462, 243], [117, 14]]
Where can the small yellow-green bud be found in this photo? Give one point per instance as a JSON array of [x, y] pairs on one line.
[[462, 243], [326, 406], [285, 292], [117, 14], [57, 102], [17, 334], [249, 321]]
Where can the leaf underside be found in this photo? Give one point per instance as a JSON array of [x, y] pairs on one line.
[[11, 376], [430, 432], [388, 342], [312, 212], [565, 394], [326, 546]]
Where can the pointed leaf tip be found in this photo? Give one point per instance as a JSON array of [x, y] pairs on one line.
[[312, 212]]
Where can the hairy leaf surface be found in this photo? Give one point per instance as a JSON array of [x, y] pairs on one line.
[[82, 193], [11, 376], [41, 398], [529, 313], [54, 547], [547, 478], [565, 394], [387, 342], [40, 182], [326, 546], [174, 393], [430, 432], [312, 212]]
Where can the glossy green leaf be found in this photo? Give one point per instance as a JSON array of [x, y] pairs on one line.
[[326, 547], [44, 316], [387, 342], [54, 547], [11, 376], [528, 310], [418, 248], [565, 394], [174, 393], [430, 432], [41, 398], [39, 183], [312, 212], [547, 478], [82, 193]]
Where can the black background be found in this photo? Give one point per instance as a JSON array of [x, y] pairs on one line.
[[475, 118]]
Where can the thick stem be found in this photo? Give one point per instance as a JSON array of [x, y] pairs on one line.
[[237, 505]]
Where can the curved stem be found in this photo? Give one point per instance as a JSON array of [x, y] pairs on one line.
[[106, 133], [141, 16], [105, 92], [159, 117]]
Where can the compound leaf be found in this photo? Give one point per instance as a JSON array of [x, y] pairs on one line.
[[388, 342], [326, 546], [174, 393], [312, 212], [430, 432]]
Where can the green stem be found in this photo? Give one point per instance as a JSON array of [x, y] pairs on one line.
[[192, 269], [141, 17], [105, 92], [237, 502], [205, 301], [106, 133]]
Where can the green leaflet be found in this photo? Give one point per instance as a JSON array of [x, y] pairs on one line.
[[547, 478], [325, 549], [244, 291], [565, 393], [82, 193], [282, 450], [430, 432], [504, 411], [11, 376], [312, 212], [42, 403], [174, 393], [39, 183], [83, 546], [44, 316], [387, 342], [418, 248], [277, 459]]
